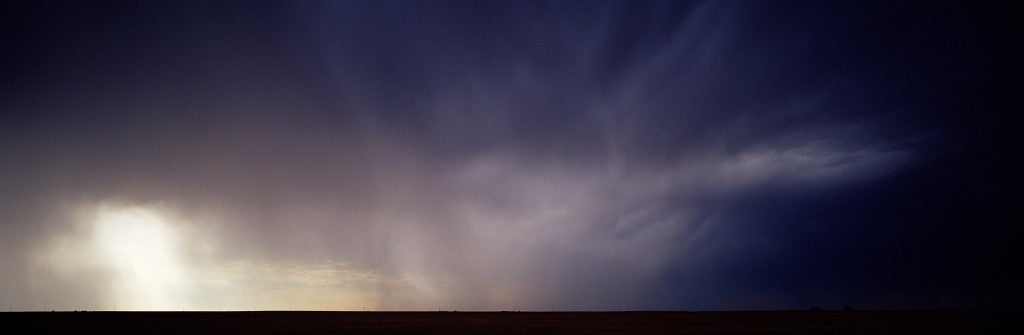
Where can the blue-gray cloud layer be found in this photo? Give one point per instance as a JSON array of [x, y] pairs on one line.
[[529, 155]]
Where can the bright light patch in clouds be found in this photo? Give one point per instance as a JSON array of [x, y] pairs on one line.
[[135, 252], [143, 259], [141, 250]]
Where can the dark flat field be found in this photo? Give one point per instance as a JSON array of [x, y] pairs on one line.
[[510, 322]]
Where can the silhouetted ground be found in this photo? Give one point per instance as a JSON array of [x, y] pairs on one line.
[[509, 322]]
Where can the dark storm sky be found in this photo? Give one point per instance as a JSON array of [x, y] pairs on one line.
[[520, 155]]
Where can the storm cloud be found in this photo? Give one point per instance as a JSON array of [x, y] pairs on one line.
[[519, 156]]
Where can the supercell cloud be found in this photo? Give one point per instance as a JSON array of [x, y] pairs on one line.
[[520, 156]]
